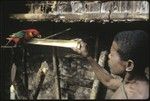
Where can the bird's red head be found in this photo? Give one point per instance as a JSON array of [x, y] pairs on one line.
[[33, 33]]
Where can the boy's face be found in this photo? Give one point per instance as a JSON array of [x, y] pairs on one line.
[[117, 66]]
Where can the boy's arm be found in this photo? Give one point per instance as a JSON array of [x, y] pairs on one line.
[[103, 76]]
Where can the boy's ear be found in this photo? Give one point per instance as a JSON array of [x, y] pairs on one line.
[[129, 66]]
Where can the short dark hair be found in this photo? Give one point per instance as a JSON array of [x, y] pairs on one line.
[[133, 45]]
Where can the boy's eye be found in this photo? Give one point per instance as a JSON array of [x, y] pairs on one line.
[[111, 54]]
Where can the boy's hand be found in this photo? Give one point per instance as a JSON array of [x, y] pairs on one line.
[[82, 50]]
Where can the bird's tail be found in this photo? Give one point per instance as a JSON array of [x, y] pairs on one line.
[[9, 40]]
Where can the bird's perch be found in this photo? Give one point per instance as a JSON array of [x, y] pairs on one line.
[[56, 42]]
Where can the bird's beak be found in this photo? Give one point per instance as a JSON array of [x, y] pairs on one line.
[[39, 36]]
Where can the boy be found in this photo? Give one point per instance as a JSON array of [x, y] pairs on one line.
[[127, 58]]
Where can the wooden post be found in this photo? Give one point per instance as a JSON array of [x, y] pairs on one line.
[[13, 75], [39, 80], [96, 47], [24, 61], [56, 72], [95, 88], [25, 74]]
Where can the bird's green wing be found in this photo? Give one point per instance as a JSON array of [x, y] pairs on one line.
[[19, 34]]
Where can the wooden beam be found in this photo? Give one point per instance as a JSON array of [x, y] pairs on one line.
[[82, 17], [90, 12]]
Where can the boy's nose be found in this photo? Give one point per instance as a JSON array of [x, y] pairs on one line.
[[109, 56]]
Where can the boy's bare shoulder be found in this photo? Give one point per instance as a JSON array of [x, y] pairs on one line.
[[137, 90]]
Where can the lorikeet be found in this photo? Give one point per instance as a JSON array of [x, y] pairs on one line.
[[23, 36]]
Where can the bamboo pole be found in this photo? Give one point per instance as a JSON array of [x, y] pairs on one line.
[[55, 42]]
